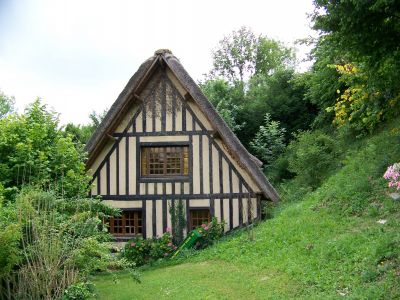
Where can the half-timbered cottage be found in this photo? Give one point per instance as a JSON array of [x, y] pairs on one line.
[[161, 141]]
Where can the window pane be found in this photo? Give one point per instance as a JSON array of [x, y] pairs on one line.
[[166, 160], [130, 223], [199, 217]]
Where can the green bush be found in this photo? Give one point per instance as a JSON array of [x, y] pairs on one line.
[[79, 291], [142, 251], [10, 235], [34, 150], [48, 243], [312, 156], [269, 143], [210, 233]]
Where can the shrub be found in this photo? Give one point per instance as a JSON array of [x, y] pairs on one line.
[[178, 220], [312, 156], [79, 291], [210, 233], [10, 234], [392, 174], [34, 150], [269, 143], [142, 251], [50, 243]]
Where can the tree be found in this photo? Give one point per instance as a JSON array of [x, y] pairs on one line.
[[363, 34], [235, 57], [268, 143], [253, 76], [82, 133], [6, 104], [224, 98], [364, 29], [271, 56], [241, 54], [34, 150], [282, 96]]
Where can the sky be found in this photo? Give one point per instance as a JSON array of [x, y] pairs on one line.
[[78, 55]]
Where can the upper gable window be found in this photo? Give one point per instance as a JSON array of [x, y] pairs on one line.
[[164, 161]]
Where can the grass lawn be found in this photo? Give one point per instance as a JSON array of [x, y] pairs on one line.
[[303, 253], [197, 280]]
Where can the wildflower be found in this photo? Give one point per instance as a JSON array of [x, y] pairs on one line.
[[392, 174], [203, 225], [165, 254], [206, 228], [168, 229], [133, 244], [169, 244]]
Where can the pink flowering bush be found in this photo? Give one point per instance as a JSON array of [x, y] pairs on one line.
[[142, 251], [392, 174], [209, 233]]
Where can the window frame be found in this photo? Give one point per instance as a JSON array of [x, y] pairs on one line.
[[164, 177], [193, 209], [111, 224]]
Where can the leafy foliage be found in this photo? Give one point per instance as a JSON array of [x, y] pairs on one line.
[[178, 221], [242, 55], [82, 133], [313, 156], [33, 150], [269, 141], [210, 233], [363, 34], [10, 235], [79, 291], [6, 104], [57, 242], [235, 57], [224, 97], [253, 76], [282, 96], [142, 251]]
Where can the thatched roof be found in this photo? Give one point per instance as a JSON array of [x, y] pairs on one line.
[[132, 90]]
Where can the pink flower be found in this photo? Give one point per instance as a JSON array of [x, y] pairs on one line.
[[203, 225], [206, 228], [168, 229], [169, 244], [392, 174], [175, 247], [165, 254], [133, 244]]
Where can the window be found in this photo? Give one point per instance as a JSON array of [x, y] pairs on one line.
[[165, 161], [199, 217], [129, 224]]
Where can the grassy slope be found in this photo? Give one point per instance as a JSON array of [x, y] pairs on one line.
[[327, 246]]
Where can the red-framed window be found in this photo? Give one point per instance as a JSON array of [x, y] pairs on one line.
[[164, 161], [130, 223], [199, 217]]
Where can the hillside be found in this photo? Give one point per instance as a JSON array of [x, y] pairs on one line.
[[341, 240]]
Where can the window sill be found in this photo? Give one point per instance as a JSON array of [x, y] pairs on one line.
[[165, 179], [125, 237]]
